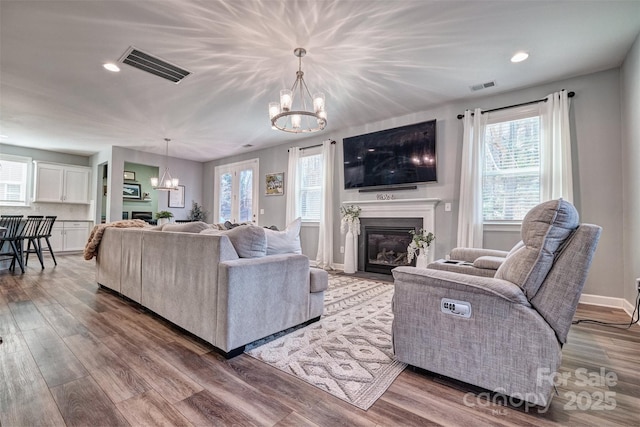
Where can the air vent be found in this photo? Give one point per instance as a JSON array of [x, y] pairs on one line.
[[149, 63], [482, 86]]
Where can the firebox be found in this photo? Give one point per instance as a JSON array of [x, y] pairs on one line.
[[383, 243]]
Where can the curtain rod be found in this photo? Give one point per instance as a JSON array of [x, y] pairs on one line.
[[313, 146], [570, 95]]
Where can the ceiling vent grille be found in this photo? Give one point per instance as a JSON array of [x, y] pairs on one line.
[[482, 86], [151, 64]]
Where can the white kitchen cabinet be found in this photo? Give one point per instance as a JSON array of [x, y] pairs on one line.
[[69, 236], [57, 183]]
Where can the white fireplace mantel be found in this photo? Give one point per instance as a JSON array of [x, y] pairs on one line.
[[399, 208]]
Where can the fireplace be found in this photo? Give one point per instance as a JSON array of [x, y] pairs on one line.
[[383, 243]]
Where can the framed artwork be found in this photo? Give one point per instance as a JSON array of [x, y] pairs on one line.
[[129, 176], [176, 197], [131, 191], [275, 184]]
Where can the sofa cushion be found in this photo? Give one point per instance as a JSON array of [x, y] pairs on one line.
[[187, 227], [544, 230], [249, 241], [286, 241]]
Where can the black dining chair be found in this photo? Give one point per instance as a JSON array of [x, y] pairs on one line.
[[44, 233], [11, 239], [30, 237]]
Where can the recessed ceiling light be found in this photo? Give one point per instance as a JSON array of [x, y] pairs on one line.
[[519, 57], [111, 67]]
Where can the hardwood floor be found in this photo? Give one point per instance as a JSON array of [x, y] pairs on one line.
[[73, 354]]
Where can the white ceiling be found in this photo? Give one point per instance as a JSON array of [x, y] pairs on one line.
[[373, 60]]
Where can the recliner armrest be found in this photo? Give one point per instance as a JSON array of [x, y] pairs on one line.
[[489, 262], [471, 254], [473, 284]]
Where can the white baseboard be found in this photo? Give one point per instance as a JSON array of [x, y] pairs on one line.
[[607, 302]]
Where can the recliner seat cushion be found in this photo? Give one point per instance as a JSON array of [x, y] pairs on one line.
[[544, 230]]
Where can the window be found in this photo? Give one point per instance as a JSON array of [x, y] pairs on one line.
[[511, 167], [14, 180], [310, 173]]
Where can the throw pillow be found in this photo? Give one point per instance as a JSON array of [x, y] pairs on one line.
[[249, 241], [544, 230], [286, 241], [186, 227]]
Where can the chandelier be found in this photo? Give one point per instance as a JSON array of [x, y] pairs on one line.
[[166, 182], [291, 114]]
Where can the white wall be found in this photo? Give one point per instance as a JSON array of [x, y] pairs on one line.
[[630, 102]]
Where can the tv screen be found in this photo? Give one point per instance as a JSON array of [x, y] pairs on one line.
[[390, 157]]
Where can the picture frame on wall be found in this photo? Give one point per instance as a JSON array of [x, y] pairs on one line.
[[131, 191], [176, 197], [274, 184], [129, 176]]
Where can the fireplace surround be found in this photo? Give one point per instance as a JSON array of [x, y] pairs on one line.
[[419, 209], [383, 243]]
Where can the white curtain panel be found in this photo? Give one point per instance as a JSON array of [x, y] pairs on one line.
[[291, 211], [324, 257], [556, 179], [470, 210]]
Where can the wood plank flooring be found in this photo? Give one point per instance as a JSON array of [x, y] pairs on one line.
[[73, 354]]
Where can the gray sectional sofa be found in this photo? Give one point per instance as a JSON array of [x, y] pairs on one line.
[[201, 283]]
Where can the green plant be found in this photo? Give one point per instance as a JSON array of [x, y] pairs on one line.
[[197, 213], [421, 240], [164, 214]]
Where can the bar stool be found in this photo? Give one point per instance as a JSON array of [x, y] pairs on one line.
[[44, 233], [14, 225], [30, 234]]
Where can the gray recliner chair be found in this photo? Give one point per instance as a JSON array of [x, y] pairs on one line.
[[503, 333]]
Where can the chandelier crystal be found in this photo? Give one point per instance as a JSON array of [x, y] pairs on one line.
[[298, 111], [166, 182]]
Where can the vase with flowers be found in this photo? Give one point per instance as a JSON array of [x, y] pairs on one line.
[[419, 247], [350, 224]]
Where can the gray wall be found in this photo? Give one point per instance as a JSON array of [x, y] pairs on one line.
[[597, 150], [630, 102], [189, 172]]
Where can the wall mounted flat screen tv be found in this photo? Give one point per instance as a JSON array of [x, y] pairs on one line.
[[391, 157]]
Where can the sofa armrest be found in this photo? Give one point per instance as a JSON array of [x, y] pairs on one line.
[[260, 296], [471, 254]]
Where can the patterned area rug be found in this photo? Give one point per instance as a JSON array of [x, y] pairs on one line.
[[348, 352]]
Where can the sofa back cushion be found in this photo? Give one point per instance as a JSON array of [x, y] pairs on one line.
[[544, 230], [186, 227], [286, 241], [249, 241]]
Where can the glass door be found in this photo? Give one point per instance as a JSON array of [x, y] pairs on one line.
[[236, 195]]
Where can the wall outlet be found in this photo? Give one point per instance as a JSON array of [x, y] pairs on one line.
[[341, 249]]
